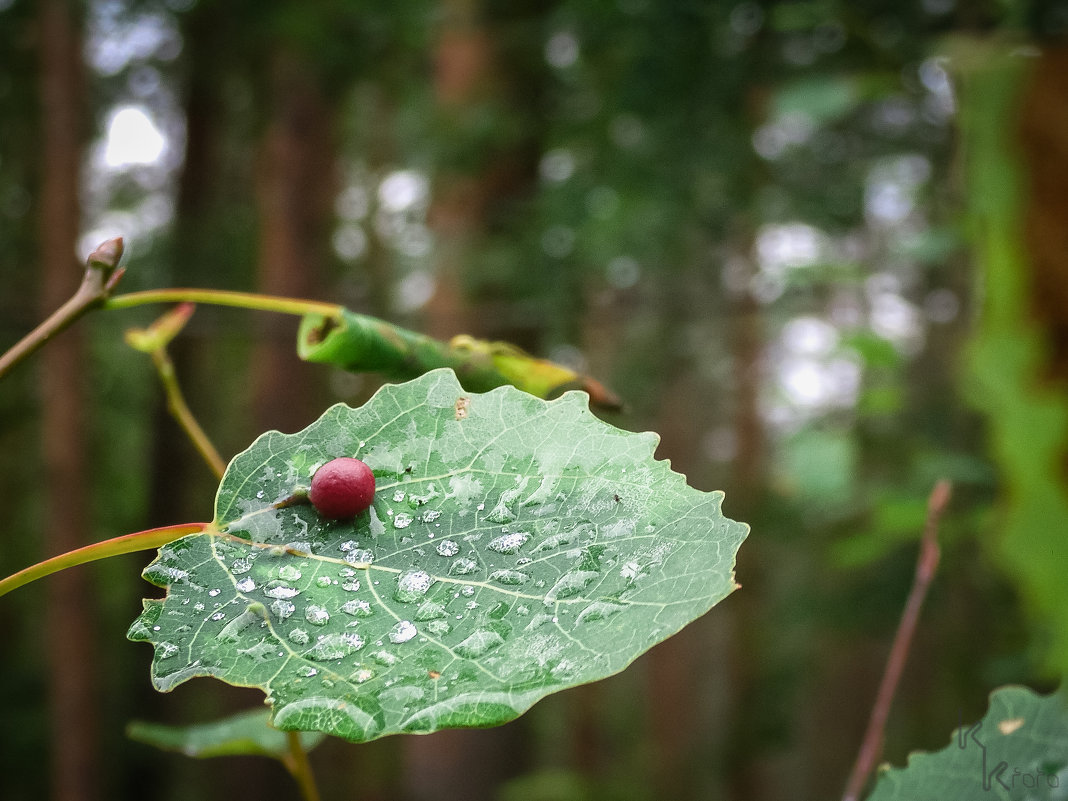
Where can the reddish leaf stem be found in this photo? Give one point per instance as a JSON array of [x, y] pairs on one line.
[[926, 564], [129, 543]]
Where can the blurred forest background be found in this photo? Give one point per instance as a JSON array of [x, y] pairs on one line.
[[820, 246]]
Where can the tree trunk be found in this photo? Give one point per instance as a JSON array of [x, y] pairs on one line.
[[71, 623], [295, 189], [465, 763], [1044, 151]]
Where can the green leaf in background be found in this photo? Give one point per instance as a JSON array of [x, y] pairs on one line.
[[1018, 751], [1027, 412], [821, 99], [516, 547], [244, 734]]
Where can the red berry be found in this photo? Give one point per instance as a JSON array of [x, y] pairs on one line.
[[342, 488]]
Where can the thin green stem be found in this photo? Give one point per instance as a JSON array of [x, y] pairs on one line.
[[296, 762], [221, 297], [153, 341], [129, 543], [181, 412]]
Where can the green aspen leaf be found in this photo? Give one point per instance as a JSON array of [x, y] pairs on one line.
[[1018, 751], [244, 734], [516, 547]]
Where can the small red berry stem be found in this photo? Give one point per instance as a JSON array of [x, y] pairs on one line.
[[128, 543]]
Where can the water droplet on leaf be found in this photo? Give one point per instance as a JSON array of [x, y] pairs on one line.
[[335, 646], [359, 556], [430, 611], [402, 632], [385, 658], [357, 608], [509, 577], [316, 615], [479, 643], [508, 543], [412, 585], [277, 589], [569, 584], [283, 609], [598, 610], [463, 567]]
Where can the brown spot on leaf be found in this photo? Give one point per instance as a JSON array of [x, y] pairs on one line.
[[319, 334], [461, 407], [1010, 725]]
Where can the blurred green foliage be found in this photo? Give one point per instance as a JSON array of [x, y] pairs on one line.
[[747, 218]]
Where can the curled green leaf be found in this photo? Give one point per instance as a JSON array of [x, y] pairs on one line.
[[365, 344]]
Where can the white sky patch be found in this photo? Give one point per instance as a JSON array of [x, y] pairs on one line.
[[352, 203], [813, 376], [810, 336], [792, 245], [414, 290], [821, 385], [894, 318], [119, 37], [557, 165], [416, 241], [771, 141], [132, 139], [805, 382], [349, 241], [403, 190], [562, 49], [891, 192]]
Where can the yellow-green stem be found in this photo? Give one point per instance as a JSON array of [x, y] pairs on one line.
[[129, 543], [299, 768], [179, 409], [220, 297]]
